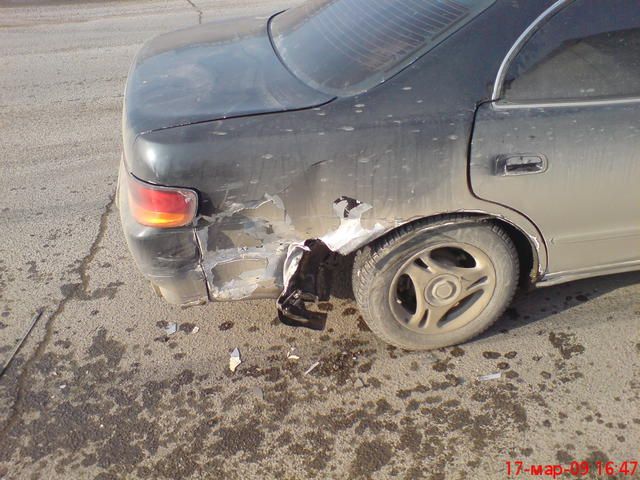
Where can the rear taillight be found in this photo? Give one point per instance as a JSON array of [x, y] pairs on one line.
[[161, 207]]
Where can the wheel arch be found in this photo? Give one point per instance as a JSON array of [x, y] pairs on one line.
[[531, 249]]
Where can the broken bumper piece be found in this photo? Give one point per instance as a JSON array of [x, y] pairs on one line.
[[253, 250], [306, 272], [308, 265]]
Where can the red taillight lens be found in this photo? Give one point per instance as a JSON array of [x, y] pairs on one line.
[[161, 207]]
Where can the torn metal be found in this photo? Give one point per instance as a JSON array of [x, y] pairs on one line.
[[253, 251], [244, 248], [308, 263], [351, 235]]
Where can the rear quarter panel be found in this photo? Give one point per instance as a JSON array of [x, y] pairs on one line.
[[401, 147]]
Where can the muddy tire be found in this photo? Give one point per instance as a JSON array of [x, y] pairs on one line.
[[437, 283]]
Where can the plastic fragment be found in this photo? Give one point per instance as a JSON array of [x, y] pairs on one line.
[[258, 393], [359, 383], [291, 354], [171, 329], [195, 329], [234, 360], [311, 368], [491, 376], [350, 235]]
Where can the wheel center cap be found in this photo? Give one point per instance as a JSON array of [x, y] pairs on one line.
[[442, 290]]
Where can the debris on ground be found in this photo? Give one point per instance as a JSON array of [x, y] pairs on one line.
[[171, 328], [359, 383], [195, 329], [292, 355], [491, 376], [234, 360], [258, 393], [428, 358], [311, 368], [16, 349]]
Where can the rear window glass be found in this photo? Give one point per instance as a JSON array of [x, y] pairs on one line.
[[348, 46]]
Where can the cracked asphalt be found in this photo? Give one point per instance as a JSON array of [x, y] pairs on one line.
[[100, 391]]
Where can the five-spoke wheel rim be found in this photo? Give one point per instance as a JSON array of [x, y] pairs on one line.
[[442, 288]]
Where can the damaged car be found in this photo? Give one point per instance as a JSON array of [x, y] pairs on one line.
[[457, 148]]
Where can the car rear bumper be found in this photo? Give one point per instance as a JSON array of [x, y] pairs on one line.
[[169, 258]]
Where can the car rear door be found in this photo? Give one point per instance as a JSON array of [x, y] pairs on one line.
[[561, 141]]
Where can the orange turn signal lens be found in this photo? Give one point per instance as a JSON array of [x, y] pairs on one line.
[[161, 207]]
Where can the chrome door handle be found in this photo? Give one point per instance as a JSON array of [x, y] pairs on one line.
[[521, 164]]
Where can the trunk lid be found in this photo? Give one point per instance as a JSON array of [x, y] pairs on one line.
[[210, 72]]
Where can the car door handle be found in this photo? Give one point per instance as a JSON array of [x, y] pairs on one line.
[[521, 164]]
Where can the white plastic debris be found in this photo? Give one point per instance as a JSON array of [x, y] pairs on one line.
[[311, 368], [350, 235], [195, 329], [234, 360], [171, 329], [491, 376], [291, 354]]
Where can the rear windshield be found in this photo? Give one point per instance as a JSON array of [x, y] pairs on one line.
[[344, 47]]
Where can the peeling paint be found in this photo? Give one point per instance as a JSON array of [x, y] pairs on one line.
[[253, 251], [244, 248]]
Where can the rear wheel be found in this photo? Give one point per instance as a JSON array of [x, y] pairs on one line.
[[434, 284]]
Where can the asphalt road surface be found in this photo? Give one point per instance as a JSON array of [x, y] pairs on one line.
[[100, 391]]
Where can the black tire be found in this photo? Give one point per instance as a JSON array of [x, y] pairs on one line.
[[377, 267]]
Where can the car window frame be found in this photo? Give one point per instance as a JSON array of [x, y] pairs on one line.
[[497, 95]]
